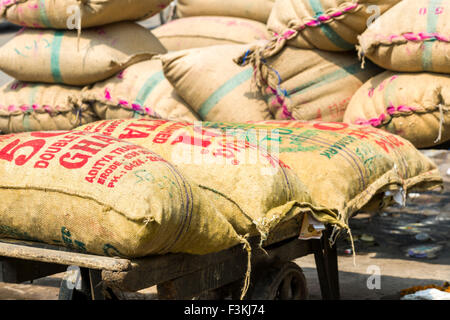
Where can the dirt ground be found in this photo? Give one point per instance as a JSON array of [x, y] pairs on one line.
[[393, 230]]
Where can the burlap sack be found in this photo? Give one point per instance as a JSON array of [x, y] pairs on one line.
[[100, 195], [256, 192], [411, 37], [345, 167], [61, 14], [258, 10], [215, 87], [196, 32], [312, 84], [331, 25], [414, 106], [141, 90], [303, 84], [36, 107], [56, 56]]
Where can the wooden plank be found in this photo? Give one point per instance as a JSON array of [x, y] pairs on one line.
[[149, 272], [210, 278], [231, 270], [35, 244], [289, 249], [62, 257]]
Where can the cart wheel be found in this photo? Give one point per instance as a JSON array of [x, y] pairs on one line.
[[280, 282]]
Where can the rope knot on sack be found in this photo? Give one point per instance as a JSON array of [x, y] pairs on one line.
[[266, 78], [255, 55]]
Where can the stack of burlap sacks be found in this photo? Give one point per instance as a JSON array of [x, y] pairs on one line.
[[412, 98], [75, 62], [308, 70]]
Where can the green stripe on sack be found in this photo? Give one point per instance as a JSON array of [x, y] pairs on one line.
[[26, 116], [148, 87], [432, 22], [225, 89], [33, 91], [26, 122], [327, 79], [54, 58], [327, 30], [152, 82], [390, 92], [43, 14]]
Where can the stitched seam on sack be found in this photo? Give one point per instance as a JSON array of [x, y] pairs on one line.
[[185, 223], [330, 15], [227, 198], [40, 109], [122, 104], [137, 220], [409, 37], [6, 6], [385, 118], [365, 196], [428, 176]]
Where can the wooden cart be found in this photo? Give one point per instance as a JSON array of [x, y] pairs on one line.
[[177, 276]]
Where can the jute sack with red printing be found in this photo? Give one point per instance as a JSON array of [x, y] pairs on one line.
[[62, 14], [414, 106], [97, 194], [196, 32], [258, 10], [35, 107], [414, 36], [314, 84], [51, 56], [256, 192], [141, 90], [345, 167]]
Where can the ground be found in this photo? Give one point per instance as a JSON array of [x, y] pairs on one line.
[[394, 230]]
